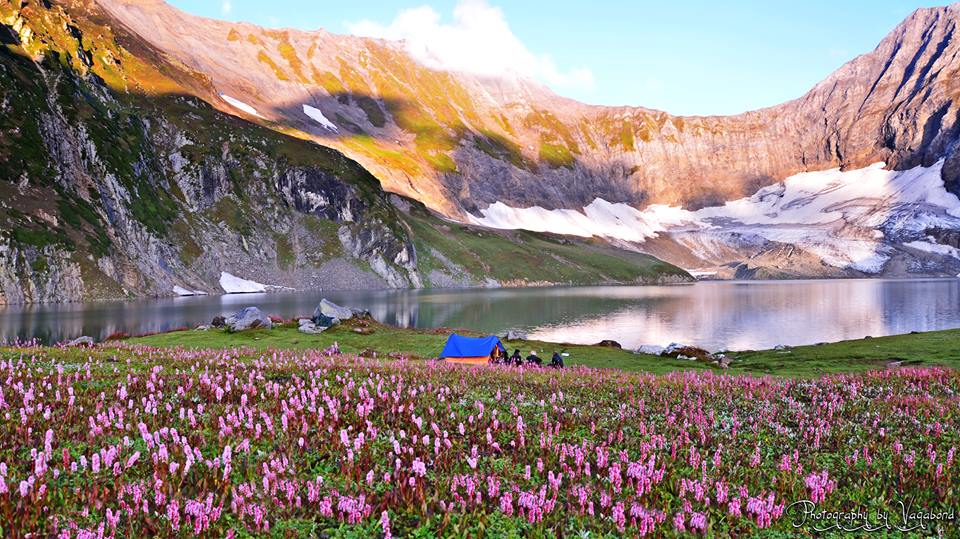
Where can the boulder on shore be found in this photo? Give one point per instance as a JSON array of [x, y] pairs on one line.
[[607, 343], [248, 318], [650, 349], [82, 341], [324, 321], [218, 321], [684, 351], [514, 335], [331, 310]]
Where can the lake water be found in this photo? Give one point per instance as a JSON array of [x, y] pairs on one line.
[[715, 315]]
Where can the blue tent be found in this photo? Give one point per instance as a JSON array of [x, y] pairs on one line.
[[471, 349]]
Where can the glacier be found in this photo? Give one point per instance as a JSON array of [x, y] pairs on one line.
[[849, 219]]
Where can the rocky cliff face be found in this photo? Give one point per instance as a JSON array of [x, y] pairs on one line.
[[459, 143], [120, 183], [119, 180]]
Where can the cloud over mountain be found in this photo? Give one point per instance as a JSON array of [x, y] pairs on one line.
[[478, 41]]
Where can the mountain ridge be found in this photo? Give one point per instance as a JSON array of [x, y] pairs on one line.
[[625, 154]]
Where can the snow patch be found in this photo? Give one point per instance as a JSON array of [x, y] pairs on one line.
[[181, 291], [232, 284], [240, 105], [600, 218], [317, 115]]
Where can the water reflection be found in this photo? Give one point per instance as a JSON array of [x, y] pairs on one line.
[[715, 315]]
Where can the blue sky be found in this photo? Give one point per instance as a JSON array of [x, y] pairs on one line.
[[685, 57]]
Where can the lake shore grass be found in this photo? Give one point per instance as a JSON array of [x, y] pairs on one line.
[[917, 349]]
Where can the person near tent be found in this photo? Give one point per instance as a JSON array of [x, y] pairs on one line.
[[534, 359], [556, 361], [516, 358]]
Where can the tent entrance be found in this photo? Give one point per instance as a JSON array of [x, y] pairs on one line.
[[480, 360]]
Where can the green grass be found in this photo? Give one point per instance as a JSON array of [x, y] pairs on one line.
[[286, 257], [556, 155], [441, 161], [414, 343], [230, 212], [40, 237], [934, 348]]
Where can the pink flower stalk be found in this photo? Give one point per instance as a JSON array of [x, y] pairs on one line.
[[385, 525], [819, 485], [679, 522]]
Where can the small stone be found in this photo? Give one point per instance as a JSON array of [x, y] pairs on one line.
[[84, 341], [310, 328]]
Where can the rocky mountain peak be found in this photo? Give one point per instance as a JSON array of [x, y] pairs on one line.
[[458, 142]]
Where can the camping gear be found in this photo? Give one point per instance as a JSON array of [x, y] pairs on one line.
[[472, 350]]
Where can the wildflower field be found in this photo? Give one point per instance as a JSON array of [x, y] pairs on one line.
[[130, 441]]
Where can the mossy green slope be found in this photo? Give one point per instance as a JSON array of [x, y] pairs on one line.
[[520, 257]]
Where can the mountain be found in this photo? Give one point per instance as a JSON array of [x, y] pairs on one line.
[[119, 180], [169, 149], [467, 146]]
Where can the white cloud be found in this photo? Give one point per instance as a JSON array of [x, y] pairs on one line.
[[478, 41], [226, 7]]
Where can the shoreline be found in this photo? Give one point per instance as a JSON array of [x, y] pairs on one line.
[[599, 312], [532, 286]]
